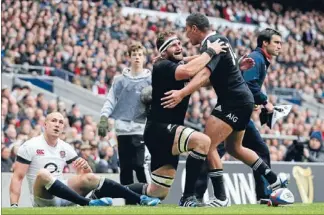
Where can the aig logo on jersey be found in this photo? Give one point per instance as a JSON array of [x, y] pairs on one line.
[[232, 117], [62, 153], [40, 152]]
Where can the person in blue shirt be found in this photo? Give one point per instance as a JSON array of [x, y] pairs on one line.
[[268, 45]]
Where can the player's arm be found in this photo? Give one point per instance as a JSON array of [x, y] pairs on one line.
[[20, 170], [198, 81], [190, 69], [174, 97], [190, 58], [81, 166], [73, 160]]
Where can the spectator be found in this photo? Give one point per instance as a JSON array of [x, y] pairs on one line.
[[10, 135], [109, 161], [100, 88], [311, 151], [95, 152], [85, 153], [314, 152], [6, 162]]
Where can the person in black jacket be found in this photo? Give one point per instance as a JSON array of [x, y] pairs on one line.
[[311, 151]]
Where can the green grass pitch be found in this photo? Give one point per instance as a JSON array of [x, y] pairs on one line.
[[316, 208]]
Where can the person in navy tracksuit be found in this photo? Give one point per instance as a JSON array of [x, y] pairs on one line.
[[268, 45]]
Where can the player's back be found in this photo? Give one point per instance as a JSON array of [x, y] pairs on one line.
[[226, 77], [163, 80], [38, 154]]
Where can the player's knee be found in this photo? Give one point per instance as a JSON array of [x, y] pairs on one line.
[[44, 175], [160, 185], [163, 195], [205, 143], [90, 178], [157, 191], [201, 142]]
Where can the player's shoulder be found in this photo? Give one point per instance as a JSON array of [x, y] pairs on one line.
[[214, 37], [33, 142], [161, 64], [65, 145], [31, 145]]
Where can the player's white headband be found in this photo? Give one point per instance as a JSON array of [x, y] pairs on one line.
[[168, 43]]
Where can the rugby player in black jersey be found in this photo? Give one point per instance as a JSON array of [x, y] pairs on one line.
[[164, 134], [231, 114]]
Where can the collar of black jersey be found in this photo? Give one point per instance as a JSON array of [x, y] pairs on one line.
[[208, 35], [172, 60]]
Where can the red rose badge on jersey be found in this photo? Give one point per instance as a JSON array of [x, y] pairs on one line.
[[62, 153]]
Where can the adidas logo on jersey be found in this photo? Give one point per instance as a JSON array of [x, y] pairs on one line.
[[219, 108], [170, 127]]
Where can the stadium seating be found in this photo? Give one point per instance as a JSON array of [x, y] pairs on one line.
[[90, 39]]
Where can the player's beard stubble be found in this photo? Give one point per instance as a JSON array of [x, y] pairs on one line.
[[175, 58]]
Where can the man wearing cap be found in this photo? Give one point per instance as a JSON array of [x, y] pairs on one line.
[[315, 150]]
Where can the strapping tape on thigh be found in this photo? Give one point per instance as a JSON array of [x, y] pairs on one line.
[[164, 181], [184, 139]]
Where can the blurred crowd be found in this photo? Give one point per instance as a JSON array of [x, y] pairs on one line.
[[300, 65], [23, 117], [90, 40]]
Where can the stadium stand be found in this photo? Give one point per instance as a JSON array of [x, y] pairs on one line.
[[87, 41]]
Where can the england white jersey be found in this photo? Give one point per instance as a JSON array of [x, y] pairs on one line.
[[38, 154]]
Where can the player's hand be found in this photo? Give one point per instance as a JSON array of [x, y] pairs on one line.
[[80, 163], [103, 126], [269, 107], [246, 63], [172, 98], [218, 46]]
